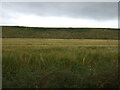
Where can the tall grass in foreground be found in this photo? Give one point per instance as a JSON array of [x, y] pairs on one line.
[[59, 66]]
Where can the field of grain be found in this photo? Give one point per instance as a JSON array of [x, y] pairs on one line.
[[59, 63]]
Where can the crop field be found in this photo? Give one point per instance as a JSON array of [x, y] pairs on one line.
[[59, 63]]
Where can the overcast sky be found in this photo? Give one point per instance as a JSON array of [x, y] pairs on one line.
[[60, 14]]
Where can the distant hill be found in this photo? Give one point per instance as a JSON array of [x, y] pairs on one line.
[[59, 33]]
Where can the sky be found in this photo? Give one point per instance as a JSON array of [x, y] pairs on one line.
[[60, 14]]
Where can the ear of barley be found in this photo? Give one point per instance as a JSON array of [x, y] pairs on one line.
[[83, 60]]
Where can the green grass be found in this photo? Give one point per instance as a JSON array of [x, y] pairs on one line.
[[59, 63], [59, 33]]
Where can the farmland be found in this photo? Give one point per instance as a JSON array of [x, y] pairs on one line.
[[59, 63]]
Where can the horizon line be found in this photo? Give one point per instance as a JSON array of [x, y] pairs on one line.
[[58, 27]]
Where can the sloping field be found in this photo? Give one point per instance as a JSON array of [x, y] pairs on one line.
[[59, 33]]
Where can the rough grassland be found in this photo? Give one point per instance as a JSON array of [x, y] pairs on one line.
[[59, 63], [59, 33]]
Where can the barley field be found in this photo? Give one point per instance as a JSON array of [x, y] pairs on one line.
[[59, 63]]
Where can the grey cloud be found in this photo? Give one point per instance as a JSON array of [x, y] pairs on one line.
[[88, 10]]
